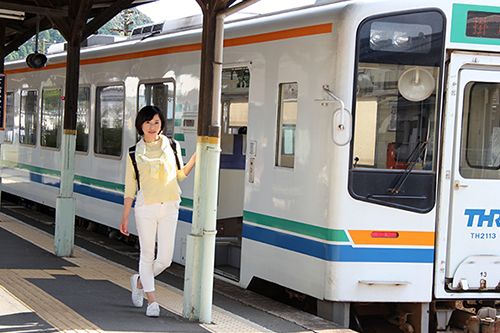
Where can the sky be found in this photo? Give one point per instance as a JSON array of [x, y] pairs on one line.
[[162, 10]]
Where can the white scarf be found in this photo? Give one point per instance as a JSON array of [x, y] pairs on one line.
[[155, 164]]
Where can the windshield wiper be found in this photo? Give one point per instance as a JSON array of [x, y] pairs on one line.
[[413, 158]]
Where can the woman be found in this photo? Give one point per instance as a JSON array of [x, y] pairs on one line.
[[157, 197]]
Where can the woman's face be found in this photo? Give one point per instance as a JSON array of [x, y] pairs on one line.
[[151, 129]]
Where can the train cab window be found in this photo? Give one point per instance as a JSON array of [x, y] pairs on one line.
[[50, 129], [28, 117], [396, 109], [9, 117], [287, 121], [110, 103], [480, 146], [82, 119], [162, 95]]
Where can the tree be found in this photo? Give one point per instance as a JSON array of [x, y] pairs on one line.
[[123, 23]]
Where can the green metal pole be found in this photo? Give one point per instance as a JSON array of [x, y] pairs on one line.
[[200, 253], [65, 203]]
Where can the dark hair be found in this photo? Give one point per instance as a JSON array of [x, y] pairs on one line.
[[146, 114]]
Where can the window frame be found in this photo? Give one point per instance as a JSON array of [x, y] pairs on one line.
[[89, 122], [278, 156], [98, 110], [360, 175], [61, 120], [36, 120], [6, 129], [464, 141]]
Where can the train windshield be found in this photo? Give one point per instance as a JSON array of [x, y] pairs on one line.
[[396, 109]]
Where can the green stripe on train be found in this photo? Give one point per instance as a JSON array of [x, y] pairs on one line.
[[81, 179], [179, 137], [57, 173], [31, 168], [187, 202], [265, 220], [296, 227]]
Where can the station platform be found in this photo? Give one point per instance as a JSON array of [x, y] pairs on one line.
[[40, 292]]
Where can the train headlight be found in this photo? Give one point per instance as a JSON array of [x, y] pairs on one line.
[[377, 38], [400, 37], [401, 40]]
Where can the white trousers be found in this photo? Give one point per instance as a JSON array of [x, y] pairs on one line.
[[156, 224]]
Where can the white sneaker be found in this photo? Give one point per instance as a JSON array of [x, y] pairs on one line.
[[137, 294], [153, 310]]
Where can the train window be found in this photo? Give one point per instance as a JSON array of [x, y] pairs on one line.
[[162, 95], [396, 109], [50, 129], [28, 117], [9, 117], [110, 103], [234, 102], [83, 119], [480, 148], [287, 121]]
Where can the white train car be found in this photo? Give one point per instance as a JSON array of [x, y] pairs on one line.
[[390, 200]]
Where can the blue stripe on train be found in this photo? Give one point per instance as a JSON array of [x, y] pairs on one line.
[[334, 252], [325, 251], [184, 215]]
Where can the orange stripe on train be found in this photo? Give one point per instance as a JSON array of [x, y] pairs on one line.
[[373, 237], [260, 38]]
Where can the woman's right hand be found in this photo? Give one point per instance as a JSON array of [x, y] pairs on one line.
[[124, 226]]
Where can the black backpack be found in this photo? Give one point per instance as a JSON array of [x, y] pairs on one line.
[[131, 153]]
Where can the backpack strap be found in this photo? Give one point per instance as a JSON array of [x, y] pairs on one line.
[[131, 153], [174, 148]]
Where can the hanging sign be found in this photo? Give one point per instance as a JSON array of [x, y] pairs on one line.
[[2, 101]]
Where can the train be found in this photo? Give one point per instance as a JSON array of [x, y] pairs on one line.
[[359, 151]]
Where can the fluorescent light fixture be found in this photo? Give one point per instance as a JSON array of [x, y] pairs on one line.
[[11, 14]]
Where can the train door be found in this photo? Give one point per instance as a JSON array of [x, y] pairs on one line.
[[234, 102], [473, 251]]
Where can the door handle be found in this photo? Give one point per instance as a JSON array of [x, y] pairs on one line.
[[458, 186]]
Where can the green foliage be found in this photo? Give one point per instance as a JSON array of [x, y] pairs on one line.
[[122, 24], [45, 38]]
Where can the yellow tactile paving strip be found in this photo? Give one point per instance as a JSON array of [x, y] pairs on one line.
[[92, 267]]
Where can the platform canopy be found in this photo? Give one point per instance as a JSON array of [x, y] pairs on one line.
[[18, 18]]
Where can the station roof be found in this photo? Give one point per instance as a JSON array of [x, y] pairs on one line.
[[20, 17]]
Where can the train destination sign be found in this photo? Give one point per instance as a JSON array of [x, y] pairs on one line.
[[483, 24]]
